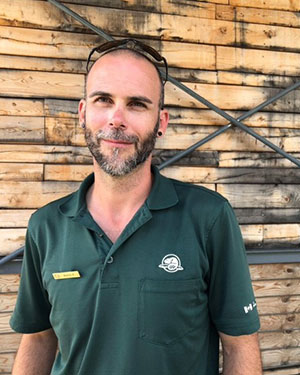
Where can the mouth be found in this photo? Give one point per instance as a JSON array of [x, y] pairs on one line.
[[117, 143]]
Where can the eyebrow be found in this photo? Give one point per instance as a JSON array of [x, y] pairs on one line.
[[107, 95]]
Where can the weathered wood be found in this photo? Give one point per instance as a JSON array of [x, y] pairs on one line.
[[187, 7], [14, 218], [283, 371], [42, 64], [279, 357], [64, 131], [24, 129], [33, 194], [275, 271], [21, 172], [9, 283], [234, 175], [268, 4], [258, 61], [276, 287], [117, 21], [278, 305], [253, 79], [67, 172], [61, 46], [267, 215], [278, 340], [254, 195], [9, 342], [7, 302], [21, 107], [41, 84], [252, 159], [205, 158], [279, 322], [6, 362], [11, 240], [44, 154], [255, 15], [4, 323]]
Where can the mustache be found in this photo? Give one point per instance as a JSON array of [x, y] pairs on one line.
[[116, 135]]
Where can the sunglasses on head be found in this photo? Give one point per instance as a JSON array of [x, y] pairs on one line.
[[130, 44]]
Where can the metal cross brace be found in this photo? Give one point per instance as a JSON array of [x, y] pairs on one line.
[[204, 101]]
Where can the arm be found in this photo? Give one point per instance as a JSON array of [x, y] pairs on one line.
[[36, 353], [241, 355]]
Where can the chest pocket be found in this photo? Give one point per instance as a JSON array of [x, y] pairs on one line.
[[168, 310]]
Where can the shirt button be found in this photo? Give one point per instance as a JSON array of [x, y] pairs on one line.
[[110, 260]]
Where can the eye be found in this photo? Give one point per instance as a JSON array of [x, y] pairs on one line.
[[137, 104], [103, 99]]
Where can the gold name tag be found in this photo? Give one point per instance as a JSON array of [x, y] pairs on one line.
[[66, 275]]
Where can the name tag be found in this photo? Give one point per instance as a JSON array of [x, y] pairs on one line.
[[66, 275]]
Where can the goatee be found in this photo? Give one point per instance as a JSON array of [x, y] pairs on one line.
[[114, 164]]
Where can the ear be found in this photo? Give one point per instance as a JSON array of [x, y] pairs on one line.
[[81, 110], [164, 120]]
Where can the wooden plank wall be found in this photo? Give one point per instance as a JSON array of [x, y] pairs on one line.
[[236, 53]]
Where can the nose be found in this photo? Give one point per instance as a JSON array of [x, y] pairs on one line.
[[117, 118]]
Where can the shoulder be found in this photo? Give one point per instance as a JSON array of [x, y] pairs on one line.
[[49, 212]]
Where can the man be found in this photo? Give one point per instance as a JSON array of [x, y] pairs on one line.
[[134, 274]]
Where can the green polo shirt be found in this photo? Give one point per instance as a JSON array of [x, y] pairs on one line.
[[152, 302]]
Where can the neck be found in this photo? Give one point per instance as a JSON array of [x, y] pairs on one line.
[[120, 196]]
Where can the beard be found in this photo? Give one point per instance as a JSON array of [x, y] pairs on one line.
[[114, 164]]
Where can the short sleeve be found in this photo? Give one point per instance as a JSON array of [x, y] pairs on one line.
[[32, 310], [231, 299]]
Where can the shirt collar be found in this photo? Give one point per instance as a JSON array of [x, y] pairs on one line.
[[162, 195]]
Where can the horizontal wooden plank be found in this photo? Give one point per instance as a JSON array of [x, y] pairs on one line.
[[279, 322], [21, 107], [67, 52], [67, 172], [11, 239], [41, 84], [267, 215], [275, 271], [66, 131], [24, 129], [121, 22], [268, 4], [14, 218], [21, 172], [233, 175], [276, 287], [278, 340], [6, 362], [41, 63], [44, 154], [284, 371], [9, 342], [7, 303], [9, 283], [33, 194], [279, 357], [187, 7], [253, 159], [4, 323], [278, 305], [258, 61], [264, 16], [270, 196]]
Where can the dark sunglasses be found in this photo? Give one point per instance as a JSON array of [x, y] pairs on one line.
[[130, 44]]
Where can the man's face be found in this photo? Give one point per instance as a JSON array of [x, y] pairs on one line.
[[121, 112]]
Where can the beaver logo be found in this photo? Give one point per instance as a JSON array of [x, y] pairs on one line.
[[171, 263]]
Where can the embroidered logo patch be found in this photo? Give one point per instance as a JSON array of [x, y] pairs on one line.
[[171, 263]]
